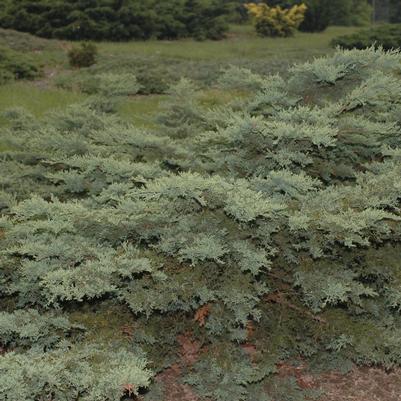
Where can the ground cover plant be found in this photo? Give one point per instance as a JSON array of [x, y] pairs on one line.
[[260, 231], [15, 65], [23, 42], [156, 64], [387, 36]]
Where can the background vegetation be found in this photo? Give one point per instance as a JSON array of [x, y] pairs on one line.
[[115, 19], [388, 36], [127, 19]]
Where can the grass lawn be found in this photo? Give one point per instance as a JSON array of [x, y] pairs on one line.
[[140, 110], [35, 99], [242, 42]]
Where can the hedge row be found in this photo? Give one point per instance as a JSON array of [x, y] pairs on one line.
[[115, 19]]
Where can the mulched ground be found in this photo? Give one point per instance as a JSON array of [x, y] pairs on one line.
[[361, 384]]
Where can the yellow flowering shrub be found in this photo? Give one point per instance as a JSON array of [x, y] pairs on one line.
[[276, 21]]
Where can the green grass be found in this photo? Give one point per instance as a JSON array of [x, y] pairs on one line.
[[140, 110], [242, 42], [44, 51], [36, 100]]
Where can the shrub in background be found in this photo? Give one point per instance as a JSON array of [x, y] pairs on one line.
[[276, 21], [322, 13], [388, 36], [83, 56], [16, 65], [317, 16], [24, 42], [205, 19], [116, 20], [350, 12], [236, 11]]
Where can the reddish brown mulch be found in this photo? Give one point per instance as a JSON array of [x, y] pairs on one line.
[[174, 390], [362, 384], [170, 378]]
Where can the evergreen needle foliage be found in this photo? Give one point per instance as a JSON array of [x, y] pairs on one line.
[[16, 65], [387, 35], [272, 222], [115, 19]]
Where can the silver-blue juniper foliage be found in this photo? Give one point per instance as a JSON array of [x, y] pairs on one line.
[[277, 215]]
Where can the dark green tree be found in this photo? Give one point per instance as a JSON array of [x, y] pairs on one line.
[[350, 12], [395, 11], [317, 17], [115, 19]]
